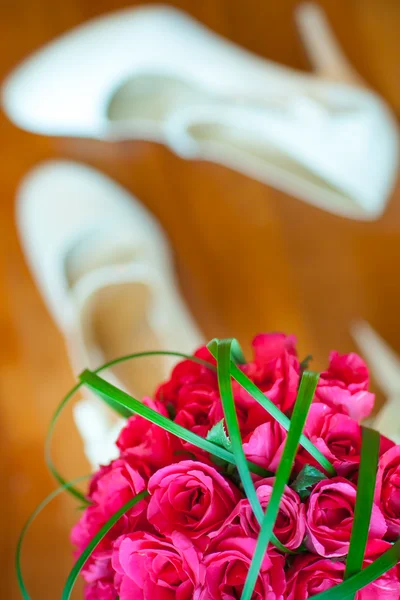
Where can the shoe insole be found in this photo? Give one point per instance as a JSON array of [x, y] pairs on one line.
[[115, 318], [152, 97], [235, 141], [118, 325], [91, 254]]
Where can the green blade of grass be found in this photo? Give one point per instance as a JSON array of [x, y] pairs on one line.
[[305, 395], [228, 404], [379, 567], [106, 390], [49, 436], [236, 352], [273, 410], [224, 351], [36, 512], [364, 501], [80, 563]]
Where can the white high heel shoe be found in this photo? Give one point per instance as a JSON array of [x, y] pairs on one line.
[[154, 73], [385, 367], [104, 268]]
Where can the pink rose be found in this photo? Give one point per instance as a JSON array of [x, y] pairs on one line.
[[184, 377], [193, 393], [387, 493], [310, 575], [190, 497], [200, 409], [275, 368], [227, 566], [330, 516], [290, 524], [149, 443], [337, 436], [154, 568], [386, 587], [100, 590], [249, 412], [98, 569], [111, 488], [99, 575], [265, 445], [345, 386]]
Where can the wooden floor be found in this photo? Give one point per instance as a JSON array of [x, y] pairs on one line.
[[249, 258]]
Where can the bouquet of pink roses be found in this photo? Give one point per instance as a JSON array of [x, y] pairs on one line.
[[243, 480]]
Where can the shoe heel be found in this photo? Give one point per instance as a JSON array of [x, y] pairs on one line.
[[322, 47]]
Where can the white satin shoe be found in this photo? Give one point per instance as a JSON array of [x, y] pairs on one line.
[[154, 73], [385, 367], [104, 268]]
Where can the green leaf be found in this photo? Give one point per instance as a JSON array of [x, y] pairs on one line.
[[364, 501], [273, 410], [80, 563], [104, 389], [306, 480], [217, 435], [25, 529], [48, 458], [381, 565], [237, 353], [305, 395], [305, 362], [228, 403]]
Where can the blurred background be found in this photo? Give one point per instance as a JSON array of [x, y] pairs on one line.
[[249, 258]]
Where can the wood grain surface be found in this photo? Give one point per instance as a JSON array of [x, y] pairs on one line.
[[249, 258]]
